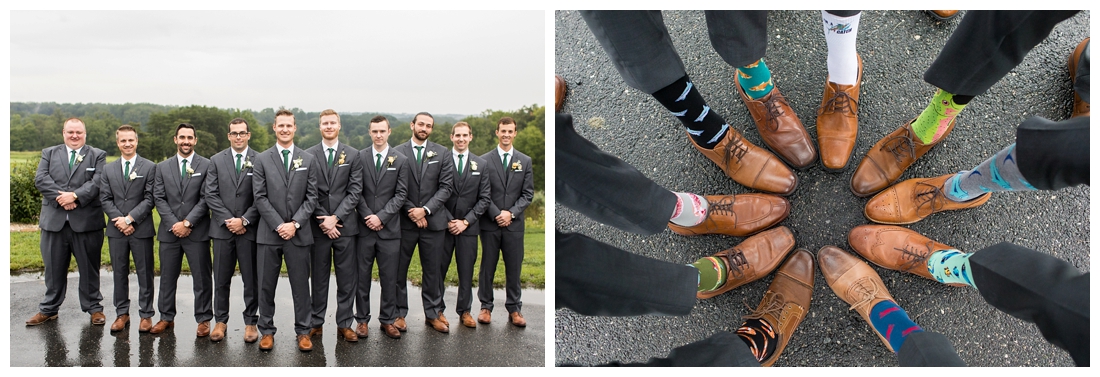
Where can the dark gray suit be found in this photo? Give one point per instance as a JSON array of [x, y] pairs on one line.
[[385, 188], [229, 195], [122, 196], [338, 192], [512, 190], [177, 198], [469, 201], [283, 196], [430, 184], [78, 232]]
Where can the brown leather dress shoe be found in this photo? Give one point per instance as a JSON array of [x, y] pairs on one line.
[[787, 300], [120, 323], [251, 333], [161, 326], [779, 127], [749, 165], [738, 215], [145, 324], [438, 325], [485, 316], [99, 319], [559, 93], [896, 248], [203, 329], [219, 332], [753, 259], [444, 319], [838, 123], [316, 331], [390, 331], [304, 344], [267, 342], [943, 15], [1080, 107], [347, 333], [517, 319], [888, 159], [914, 199], [361, 330], [467, 320], [39, 319], [400, 324], [854, 282]]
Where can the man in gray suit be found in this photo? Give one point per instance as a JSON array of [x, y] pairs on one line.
[[385, 179], [71, 221], [126, 192], [284, 182], [184, 230], [424, 221], [502, 226], [335, 227], [465, 206], [233, 228]]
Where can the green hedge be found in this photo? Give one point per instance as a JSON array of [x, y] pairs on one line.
[[26, 201]]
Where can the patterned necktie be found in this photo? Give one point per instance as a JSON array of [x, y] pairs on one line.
[[72, 157], [286, 159], [378, 162], [460, 165], [238, 162], [183, 169], [418, 161], [330, 157], [504, 164], [127, 171]]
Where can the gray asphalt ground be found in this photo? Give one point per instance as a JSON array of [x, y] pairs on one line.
[[72, 340], [897, 47]]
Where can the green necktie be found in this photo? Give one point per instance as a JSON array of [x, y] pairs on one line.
[[72, 157], [460, 165], [238, 162], [127, 171], [330, 157], [183, 169], [286, 159], [378, 162], [418, 154], [504, 164]]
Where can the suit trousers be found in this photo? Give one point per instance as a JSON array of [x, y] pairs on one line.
[[430, 244], [370, 248], [121, 249], [495, 245], [171, 262], [228, 255], [464, 249], [57, 249], [1053, 155], [270, 260], [724, 349], [325, 252], [641, 50]]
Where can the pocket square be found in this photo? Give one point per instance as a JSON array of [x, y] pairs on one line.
[[343, 165], [475, 173], [196, 174], [91, 169], [391, 169], [433, 162], [300, 169], [248, 174]]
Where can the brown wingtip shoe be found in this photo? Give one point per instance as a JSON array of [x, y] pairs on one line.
[[251, 333], [787, 300], [1080, 107], [467, 320], [203, 329], [943, 15], [437, 325], [145, 324], [738, 215], [40, 318], [749, 165], [914, 199], [267, 342], [161, 326], [347, 333], [316, 331], [779, 127], [120, 323], [559, 93], [361, 330], [485, 316], [517, 319], [219, 332], [400, 324], [838, 122], [896, 248], [854, 282], [753, 259], [889, 157], [304, 344], [99, 319], [444, 319], [389, 330]]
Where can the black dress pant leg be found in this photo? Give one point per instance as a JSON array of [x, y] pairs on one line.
[[1053, 155]]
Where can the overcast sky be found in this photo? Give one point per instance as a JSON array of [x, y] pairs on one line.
[[460, 62]]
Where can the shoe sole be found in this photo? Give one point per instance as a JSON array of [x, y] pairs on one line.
[[53, 317]]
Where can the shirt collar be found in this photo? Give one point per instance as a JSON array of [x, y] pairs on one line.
[[70, 150], [384, 151], [335, 146], [234, 153], [455, 153], [414, 144], [501, 152], [190, 158], [281, 149], [131, 161]]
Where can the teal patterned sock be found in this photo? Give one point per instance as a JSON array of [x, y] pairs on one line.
[[951, 267], [755, 79]]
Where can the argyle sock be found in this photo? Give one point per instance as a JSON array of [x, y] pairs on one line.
[[840, 36], [712, 273], [682, 98], [998, 173], [892, 323], [951, 266], [696, 209], [755, 79], [759, 335], [933, 121]]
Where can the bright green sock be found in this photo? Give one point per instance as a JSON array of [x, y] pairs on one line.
[[933, 121], [712, 273], [755, 79], [951, 266]]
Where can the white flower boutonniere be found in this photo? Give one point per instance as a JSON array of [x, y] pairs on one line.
[[133, 175], [517, 166], [190, 172], [473, 165], [390, 160], [341, 160], [247, 163], [430, 154], [298, 162], [79, 158]]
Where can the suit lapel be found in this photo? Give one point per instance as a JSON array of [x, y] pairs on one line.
[[76, 164], [461, 179], [503, 171], [277, 159], [249, 154], [126, 182], [424, 159], [298, 152]]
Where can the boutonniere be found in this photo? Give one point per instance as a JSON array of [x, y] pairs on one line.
[[298, 162], [473, 165], [133, 175], [79, 158], [516, 166], [390, 160], [341, 160], [430, 154], [247, 163], [190, 172]]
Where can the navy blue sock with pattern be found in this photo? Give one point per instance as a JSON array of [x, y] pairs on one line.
[[682, 98], [892, 323]]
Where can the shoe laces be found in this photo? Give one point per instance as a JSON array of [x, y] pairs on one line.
[[735, 262], [722, 206], [929, 198], [841, 102], [772, 110], [901, 146], [915, 256], [865, 290], [735, 148], [772, 304]]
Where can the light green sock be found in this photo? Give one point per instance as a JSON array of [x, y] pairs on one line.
[[755, 79], [951, 267], [933, 121], [712, 273]]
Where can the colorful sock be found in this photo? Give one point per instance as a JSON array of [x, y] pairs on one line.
[[759, 335], [840, 36], [950, 267], [998, 173], [933, 121], [706, 127], [698, 209], [712, 273], [755, 79], [892, 323]]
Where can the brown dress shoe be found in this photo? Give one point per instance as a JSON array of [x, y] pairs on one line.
[[559, 93], [467, 320], [1080, 107], [738, 215], [304, 344], [203, 329], [837, 122], [391, 331], [361, 330], [251, 333], [267, 342], [896, 248], [787, 300], [219, 332], [438, 325], [39, 319], [120, 323], [316, 331], [943, 15], [161, 326], [145, 325], [400, 324], [444, 319], [753, 259], [779, 127], [485, 316], [749, 165], [854, 282], [888, 159], [347, 333], [914, 199], [99, 319], [517, 319]]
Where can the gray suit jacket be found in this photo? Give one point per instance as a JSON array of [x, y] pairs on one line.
[[512, 189], [283, 196], [229, 194], [339, 189], [122, 196], [178, 198], [471, 196], [54, 175], [385, 191], [430, 184]]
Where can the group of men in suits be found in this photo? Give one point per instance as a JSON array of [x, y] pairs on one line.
[[327, 206]]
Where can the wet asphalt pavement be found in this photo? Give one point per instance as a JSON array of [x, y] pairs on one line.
[[72, 340], [896, 47]]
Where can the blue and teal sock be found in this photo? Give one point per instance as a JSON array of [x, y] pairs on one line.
[[998, 173], [892, 323], [755, 79], [682, 98], [951, 267]]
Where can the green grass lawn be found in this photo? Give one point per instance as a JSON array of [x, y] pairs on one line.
[[34, 156]]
